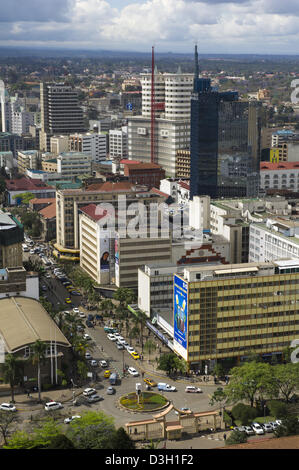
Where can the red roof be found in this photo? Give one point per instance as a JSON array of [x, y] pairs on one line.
[[95, 211], [129, 162], [48, 200], [279, 166], [26, 184], [143, 166], [184, 185], [110, 186], [155, 190], [49, 212]]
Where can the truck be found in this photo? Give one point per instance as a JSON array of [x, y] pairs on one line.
[[166, 387], [113, 378]]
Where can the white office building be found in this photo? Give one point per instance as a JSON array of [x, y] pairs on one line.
[[74, 164], [118, 143], [93, 144]]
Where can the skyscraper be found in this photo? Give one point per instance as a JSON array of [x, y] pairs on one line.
[[60, 112], [224, 142]]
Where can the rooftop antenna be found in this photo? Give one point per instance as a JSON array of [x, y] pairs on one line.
[[153, 108], [196, 68]]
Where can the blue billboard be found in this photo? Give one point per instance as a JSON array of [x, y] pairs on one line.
[[180, 314]]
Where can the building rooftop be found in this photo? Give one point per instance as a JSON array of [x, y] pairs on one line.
[[25, 184], [94, 211], [23, 321], [276, 233], [49, 212], [279, 166]]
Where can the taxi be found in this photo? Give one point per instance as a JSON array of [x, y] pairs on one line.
[[135, 355], [107, 374], [68, 300], [150, 382]]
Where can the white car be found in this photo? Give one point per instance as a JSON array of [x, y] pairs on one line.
[[94, 398], [133, 371], [123, 342], [7, 407], [192, 389], [93, 363], [103, 363], [111, 337], [88, 355], [76, 310], [249, 431], [87, 337], [71, 418], [89, 391], [82, 315], [267, 427], [53, 405], [257, 428], [130, 349]]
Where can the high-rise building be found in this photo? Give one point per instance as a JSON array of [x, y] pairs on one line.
[[60, 112], [225, 143], [93, 144]]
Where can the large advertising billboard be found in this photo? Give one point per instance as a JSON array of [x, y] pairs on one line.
[[104, 254], [180, 316]]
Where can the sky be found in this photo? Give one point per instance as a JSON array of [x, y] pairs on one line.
[[217, 26]]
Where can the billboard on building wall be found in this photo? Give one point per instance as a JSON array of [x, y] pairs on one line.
[[104, 254], [274, 155], [180, 316], [116, 250]]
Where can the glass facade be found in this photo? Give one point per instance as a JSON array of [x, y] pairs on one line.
[[223, 156]]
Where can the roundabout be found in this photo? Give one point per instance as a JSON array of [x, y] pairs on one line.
[[146, 401]]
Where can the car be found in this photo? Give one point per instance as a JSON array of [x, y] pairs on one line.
[[274, 425], [111, 337], [44, 288], [71, 418], [117, 335], [278, 422], [267, 427], [75, 292], [185, 409], [130, 349], [150, 382], [135, 355], [99, 317], [94, 398], [48, 276], [70, 288], [66, 283], [94, 363], [239, 429], [166, 387], [90, 317], [108, 329], [119, 346], [82, 315], [76, 310], [192, 389], [89, 391], [87, 337], [123, 342], [111, 391], [89, 324], [32, 252], [257, 428], [103, 363], [80, 328], [53, 405], [88, 355], [249, 431], [7, 407], [107, 374], [133, 371], [67, 300]]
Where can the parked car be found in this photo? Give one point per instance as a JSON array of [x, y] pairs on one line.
[[76, 310], [89, 391], [68, 300], [249, 431], [119, 346], [108, 329], [135, 355], [111, 391], [89, 324], [94, 398], [71, 418], [94, 363], [257, 428], [87, 337], [107, 374], [53, 405], [267, 427], [82, 315], [103, 363], [240, 428], [90, 317], [130, 349], [274, 425], [133, 371], [88, 355], [192, 389], [123, 342], [7, 407]]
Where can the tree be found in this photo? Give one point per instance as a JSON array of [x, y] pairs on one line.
[[277, 409], [7, 421], [150, 346], [124, 295], [120, 440], [219, 397], [285, 380], [288, 427], [249, 381], [236, 437], [93, 431], [170, 362], [24, 197], [82, 369], [39, 438], [11, 371], [244, 413], [38, 357], [140, 320]]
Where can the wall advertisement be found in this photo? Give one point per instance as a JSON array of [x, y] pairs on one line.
[[180, 316]]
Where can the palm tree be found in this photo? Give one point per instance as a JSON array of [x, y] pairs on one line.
[[11, 371], [140, 319], [38, 357], [150, 346]]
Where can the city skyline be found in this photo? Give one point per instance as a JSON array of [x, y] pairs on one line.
[[218, 26]]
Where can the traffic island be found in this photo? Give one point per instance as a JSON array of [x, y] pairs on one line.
[[145, 402]]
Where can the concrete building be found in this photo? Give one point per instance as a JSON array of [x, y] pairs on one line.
[[11, 238], [50, 166], [15, 281], [225, 312], [118, 143], [93, 144], [28, 159], [59, 144], [183, 164], [148, 174], [282, 175], [25, 184], [71, 164]]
